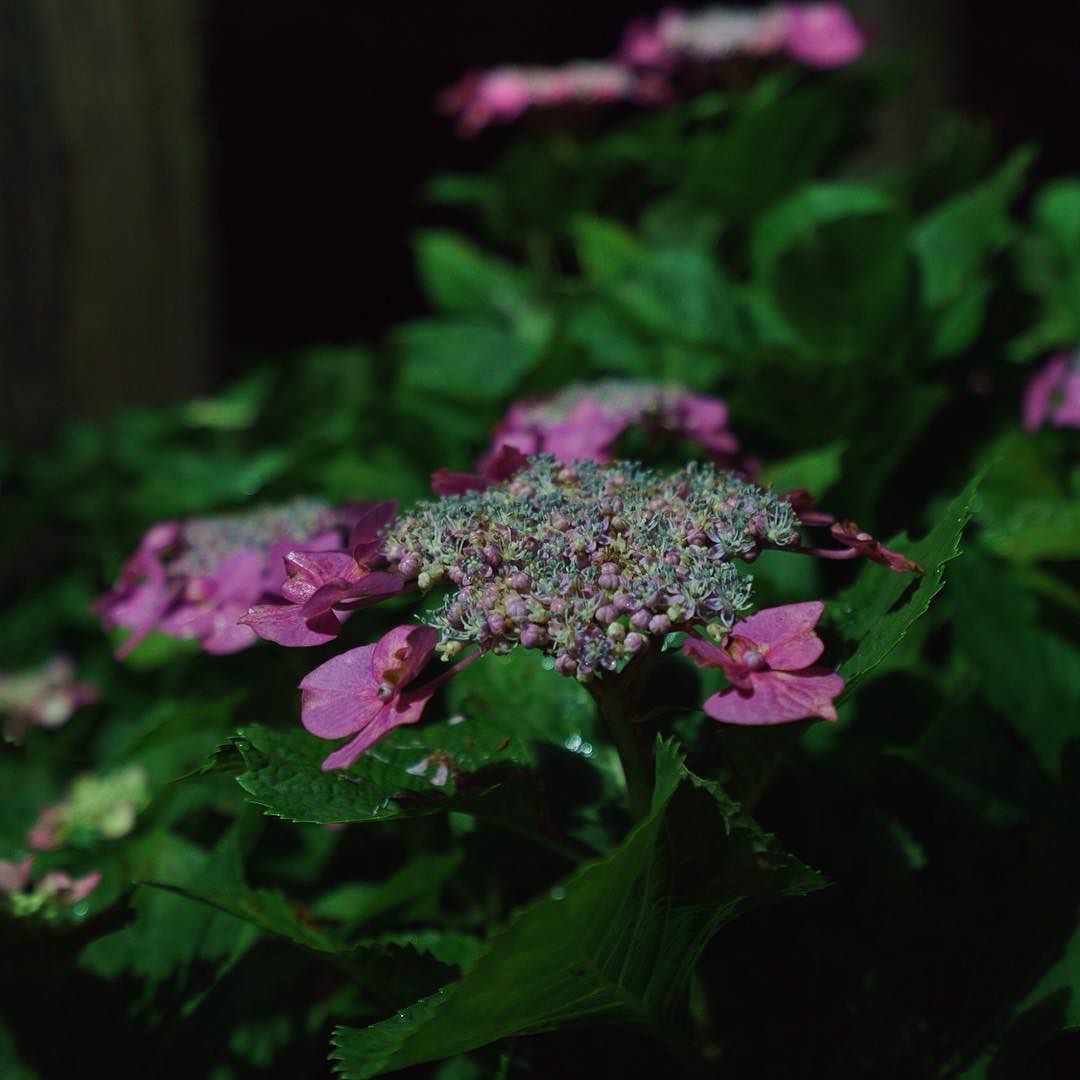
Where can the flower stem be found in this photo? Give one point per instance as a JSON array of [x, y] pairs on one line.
[[632, 743]]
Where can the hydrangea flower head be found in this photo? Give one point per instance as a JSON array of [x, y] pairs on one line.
[[196, 578], [768, 658], [1053, 394], [364, 692], [588, 562], [583, 421], [818, 34], [45, 697], [97, 807], [504, 93]]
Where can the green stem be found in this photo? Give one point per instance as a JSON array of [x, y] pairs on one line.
[[633, 746]]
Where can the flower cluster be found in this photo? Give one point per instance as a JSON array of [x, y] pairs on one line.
[[1053, 394], [818, 34], [504, 93], [195, 578], [587, 562], [97, 807], [54, 890], [44, 697], [583, 421]]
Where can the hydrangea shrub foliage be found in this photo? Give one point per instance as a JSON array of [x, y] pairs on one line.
[[658, 657]]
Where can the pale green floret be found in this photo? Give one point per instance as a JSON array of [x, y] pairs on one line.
[[570, 560]]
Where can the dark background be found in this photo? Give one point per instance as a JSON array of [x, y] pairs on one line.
[[186, 189]]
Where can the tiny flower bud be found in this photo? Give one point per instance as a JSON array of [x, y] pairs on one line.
[[640, 619], [606, 613], [530, 636], [633, 642], [616, 631], [659, 624], [408, 566], [496, 623], [520, 582]]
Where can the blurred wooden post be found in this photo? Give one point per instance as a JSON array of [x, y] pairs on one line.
[[106, 269]]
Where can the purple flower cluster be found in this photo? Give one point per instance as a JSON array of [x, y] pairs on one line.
[[586, 562], [816, 34], [819, 35], [196, 578]]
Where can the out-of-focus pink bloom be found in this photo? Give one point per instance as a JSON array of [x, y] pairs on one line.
[[768, 658], [503, 94], [363, 692], [1053, 394], [14, 876], [583, 422], [822, 35], [195, 579], [46, 697], [44, 834], [819, 35], [62, 889], [496, 466]]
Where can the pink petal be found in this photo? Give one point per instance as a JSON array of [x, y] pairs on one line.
[[342, 695], [284, 624], [446, 482], [307, 570], [407, 710], [501, 465], [778, 697], [401, 653], [365, 537], [784, 635]]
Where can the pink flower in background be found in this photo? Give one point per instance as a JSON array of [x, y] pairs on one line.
[[55, 887], [14, 876], [583, 422], [768, 658], [1053, 394], [62, 889], [820, 35], [197, 578], [364, 692], [45, 697], [503, 94]]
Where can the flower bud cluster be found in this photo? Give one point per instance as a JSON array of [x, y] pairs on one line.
[[588, 562]]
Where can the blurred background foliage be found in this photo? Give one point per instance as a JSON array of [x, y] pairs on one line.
[[871, 321]]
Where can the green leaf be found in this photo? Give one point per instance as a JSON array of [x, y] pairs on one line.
[[465, 359], [814, 470], [952, 245], [605, 249], [413, 770], [833, 259], [519, 693], [879, 609], [458, 276], [1053, 1005], [1030, 675], [615, 943]]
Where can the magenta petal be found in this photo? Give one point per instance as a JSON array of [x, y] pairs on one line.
[[823, 35], [778, 697], [307, 570], [326, 596], [506, 461], [785, 635], [401, 653], [407, 710], [365, 537], [330, 714], [446, 482], [371, 588], [704, 653], [284, 624]]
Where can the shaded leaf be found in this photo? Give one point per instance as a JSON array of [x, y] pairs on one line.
[[615, 943]]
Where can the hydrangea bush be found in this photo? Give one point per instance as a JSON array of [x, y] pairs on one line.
[[658, 657]]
